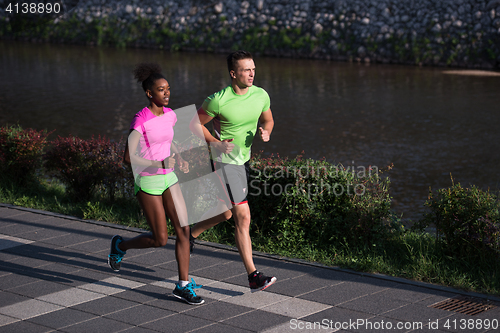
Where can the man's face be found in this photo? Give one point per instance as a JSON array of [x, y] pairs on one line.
[[244, 73]]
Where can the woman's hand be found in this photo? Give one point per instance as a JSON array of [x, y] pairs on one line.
[[169, 162]]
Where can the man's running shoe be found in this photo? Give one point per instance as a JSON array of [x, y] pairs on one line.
[[191, 242], [115, 254], [187, 293], [258, 281]]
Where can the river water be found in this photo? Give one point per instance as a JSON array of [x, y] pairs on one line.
[[426, 122]]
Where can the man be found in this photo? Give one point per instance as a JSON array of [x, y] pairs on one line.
[[236, 111]]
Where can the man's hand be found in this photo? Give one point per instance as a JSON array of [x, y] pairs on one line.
[[264, 135], [224, 146], [183, 165]]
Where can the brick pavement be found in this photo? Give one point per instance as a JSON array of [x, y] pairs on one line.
[[54, 278]]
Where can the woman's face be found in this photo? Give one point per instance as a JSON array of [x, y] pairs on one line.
[[160, 92]]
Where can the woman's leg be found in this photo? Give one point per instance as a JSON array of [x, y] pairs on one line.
[[153, 208], [174, 205]]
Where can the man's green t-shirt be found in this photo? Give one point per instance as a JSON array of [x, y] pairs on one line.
[[236, 116]]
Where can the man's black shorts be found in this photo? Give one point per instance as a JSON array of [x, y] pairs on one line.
[[233, 181]]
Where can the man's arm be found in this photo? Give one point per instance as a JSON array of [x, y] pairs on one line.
[[197, 126], [184, 165], [266, 125]]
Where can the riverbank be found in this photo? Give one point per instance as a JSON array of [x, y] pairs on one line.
[[463, 33]]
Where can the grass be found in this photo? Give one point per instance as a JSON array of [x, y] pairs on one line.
[[411, 255], [51, 196]]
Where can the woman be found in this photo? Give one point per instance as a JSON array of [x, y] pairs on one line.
[[148, 150]]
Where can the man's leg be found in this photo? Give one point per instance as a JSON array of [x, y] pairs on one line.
[[256, 279], [199, 227], [219, 213], [241, 215]]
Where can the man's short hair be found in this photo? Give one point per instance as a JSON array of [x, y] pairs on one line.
[[235, 56]]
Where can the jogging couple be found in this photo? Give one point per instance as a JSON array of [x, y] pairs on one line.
[[236, 112]]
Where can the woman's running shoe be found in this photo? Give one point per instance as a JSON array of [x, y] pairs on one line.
[[115, 254], [187, 293]]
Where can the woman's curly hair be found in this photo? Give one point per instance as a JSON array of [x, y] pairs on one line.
[[148, 73]]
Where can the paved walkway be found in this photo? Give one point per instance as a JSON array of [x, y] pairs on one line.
[[54, 278]]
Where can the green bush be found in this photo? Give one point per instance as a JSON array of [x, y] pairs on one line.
[[21, 153], [315, 203], [87, 166], [467, 220]]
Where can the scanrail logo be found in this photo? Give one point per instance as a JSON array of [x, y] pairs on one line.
[[358, 324], [383, 325], [324, 186]]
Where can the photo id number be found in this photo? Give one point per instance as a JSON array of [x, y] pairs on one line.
[[33, 8]]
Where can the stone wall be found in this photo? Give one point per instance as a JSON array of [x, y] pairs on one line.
[[462, 33]]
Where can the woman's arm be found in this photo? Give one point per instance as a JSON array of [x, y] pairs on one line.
[[126, 155], [136, 160]]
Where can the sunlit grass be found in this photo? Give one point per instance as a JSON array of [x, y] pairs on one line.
[[51, 196]]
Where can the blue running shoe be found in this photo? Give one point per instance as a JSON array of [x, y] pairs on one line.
[[115, 254], [187, 293]]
